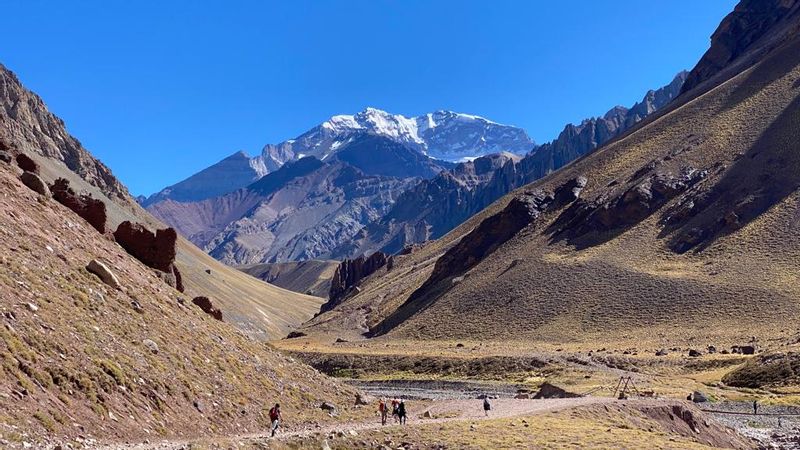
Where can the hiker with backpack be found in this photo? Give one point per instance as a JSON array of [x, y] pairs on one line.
[[275, 418], [395, 406], [401, 412], [383, 409], [486, 406]]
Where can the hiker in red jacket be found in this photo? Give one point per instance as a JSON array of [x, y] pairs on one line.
[[275, 417], [383, 410]]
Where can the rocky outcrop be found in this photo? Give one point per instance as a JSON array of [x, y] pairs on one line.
[[104, 273], [547, 390], [750, 21], [90, 209], [34, 183], [618, 210], [349, 274], [205, 304], [156, 250], [27, 164]]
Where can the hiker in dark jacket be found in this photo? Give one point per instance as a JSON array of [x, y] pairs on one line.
[[401, 412], [486, 406]]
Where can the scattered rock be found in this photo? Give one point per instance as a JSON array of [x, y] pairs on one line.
[[150, 344], [522, 396], [88, 208], [32, 307], [137, 306], [34, 183], [205, 304], [744, 349], [699, 397], [340, 340], [711, 349], [295, 334], [427, 415], [27, 164], [104, 273], [208, 271], [459, 345], [5, 157], [662, 352], [694, 353]]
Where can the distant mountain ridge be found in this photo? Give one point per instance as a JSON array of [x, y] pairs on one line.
[[443, 135], [437, 205]]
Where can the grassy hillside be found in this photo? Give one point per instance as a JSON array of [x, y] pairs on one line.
[[713, 263], [82, 358], [311, 277]]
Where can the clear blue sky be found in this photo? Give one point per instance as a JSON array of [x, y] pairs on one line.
[[160, 89]]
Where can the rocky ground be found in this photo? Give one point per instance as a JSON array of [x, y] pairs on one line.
[[774, 426]]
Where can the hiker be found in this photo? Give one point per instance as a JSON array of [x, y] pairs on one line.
[[275, 417], [383, 410], [755, 407], [401, 412], [395, 407], [486, 406]]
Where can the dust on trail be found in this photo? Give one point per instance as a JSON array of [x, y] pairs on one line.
[[454, 410]]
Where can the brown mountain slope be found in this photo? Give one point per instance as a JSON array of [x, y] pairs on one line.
[[263, 310], [80, 358], [312, 277], [686, 232]]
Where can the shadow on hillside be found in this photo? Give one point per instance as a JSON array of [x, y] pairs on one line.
[[767, 174], [779, 64]]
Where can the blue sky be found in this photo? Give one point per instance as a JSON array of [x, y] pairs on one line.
[[159, 90]]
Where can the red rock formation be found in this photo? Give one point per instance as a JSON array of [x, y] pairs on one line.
[[90, 209], [156, 250], [205, 304]]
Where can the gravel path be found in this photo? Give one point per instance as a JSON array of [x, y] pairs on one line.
[[447, 410]]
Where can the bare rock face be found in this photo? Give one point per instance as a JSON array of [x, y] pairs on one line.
[[36, 184], [172, 278], [156, 250], [205, 304], [104, 273], [749, 22], [27, 164], [90, 209], [350, 272], [615, 210]]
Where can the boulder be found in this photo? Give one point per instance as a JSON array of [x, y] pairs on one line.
[[172, 278], [295, 334], [744, 349], [151, 345], [694, 353], [88, 208], [363, 399], [156, 250], [205, 304], [547, 390], [104, 273], [5, 157], [699, 397], [662, 352], [27, 164], [329, 407], [34, 183]]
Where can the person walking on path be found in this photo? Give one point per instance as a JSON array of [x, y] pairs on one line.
[[395, 405], [275, 418], [486, 406], [401, 412], [755, 407], [382, 408]]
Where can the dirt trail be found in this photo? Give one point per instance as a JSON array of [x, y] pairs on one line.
[[446, 410]]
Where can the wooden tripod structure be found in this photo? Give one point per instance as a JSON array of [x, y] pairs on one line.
[[625, 385]]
